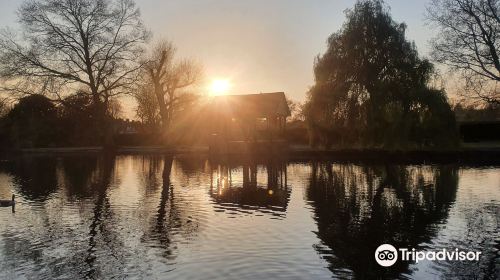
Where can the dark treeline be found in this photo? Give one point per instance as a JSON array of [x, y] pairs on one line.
[[36, 121]]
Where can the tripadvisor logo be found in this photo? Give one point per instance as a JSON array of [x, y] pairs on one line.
[[386, 255]]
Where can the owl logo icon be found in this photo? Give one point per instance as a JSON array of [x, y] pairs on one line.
[[386, 255]]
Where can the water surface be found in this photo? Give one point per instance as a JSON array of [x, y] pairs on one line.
[[159, 217]]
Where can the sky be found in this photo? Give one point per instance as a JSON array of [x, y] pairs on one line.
[[258, 45]]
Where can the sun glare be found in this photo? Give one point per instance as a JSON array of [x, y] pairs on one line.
[[219, 87]]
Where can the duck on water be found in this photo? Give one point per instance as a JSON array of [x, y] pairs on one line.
[[8, 203]]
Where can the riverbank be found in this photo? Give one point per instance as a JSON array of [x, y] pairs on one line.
[[483, 155], [476, 153]]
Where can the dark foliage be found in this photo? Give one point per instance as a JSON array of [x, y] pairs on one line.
[[372, 88], [76, 117], [30, 123], [36, 121]]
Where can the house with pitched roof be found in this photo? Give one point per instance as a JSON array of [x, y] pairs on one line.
[[238, 120]]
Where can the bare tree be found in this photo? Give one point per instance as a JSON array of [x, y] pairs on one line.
[[169, 79], [147, 106], [469, 41], [72, 44]]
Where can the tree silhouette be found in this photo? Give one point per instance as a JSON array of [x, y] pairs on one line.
[[31, 123], [72, 44], [468, 42], [166, 78], [371, 86]]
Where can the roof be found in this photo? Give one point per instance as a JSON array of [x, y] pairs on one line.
[[252, 105]]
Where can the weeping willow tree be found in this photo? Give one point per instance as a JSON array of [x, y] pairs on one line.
[[372, 88]]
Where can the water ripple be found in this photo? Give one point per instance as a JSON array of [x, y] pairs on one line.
[[156, 217]]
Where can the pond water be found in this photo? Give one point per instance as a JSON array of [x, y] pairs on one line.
[[159, 217]]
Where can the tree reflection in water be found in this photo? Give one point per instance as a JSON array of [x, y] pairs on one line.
[[242, 192], [167, 214], [46, 183], [36, 175], [145, 216], [359, 208], [102, 234], [175, 215]]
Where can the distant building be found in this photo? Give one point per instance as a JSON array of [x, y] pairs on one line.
[[126, 127], [253, 118]]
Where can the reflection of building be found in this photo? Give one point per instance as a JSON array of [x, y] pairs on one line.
[[245, 122], [243, 188]]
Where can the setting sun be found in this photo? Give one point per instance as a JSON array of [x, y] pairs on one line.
[[219, 87]]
